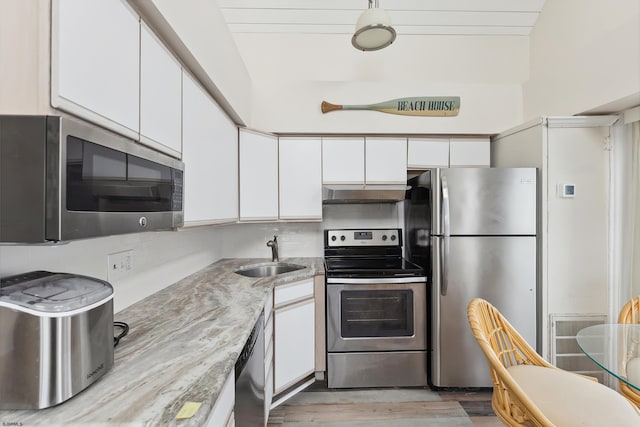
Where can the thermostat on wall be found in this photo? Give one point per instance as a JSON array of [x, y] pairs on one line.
[[568, 190]]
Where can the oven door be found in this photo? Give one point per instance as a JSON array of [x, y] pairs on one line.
[[371, 315]]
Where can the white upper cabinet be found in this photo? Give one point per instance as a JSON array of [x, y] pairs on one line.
[[386, 160], [300, 178], [160, 95], [343, 160], [95, 62], [471, 152], [423, 153], [258, 176], [360, 160], [210, 154]]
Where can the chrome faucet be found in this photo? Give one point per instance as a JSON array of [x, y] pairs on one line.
[[273, 244]]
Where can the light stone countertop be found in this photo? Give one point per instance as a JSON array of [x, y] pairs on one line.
[[182, 344]]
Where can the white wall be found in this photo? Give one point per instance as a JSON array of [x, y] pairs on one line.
[[584, 54], [292, 75]]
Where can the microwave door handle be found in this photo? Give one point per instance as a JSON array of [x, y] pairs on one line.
[[446, 241]]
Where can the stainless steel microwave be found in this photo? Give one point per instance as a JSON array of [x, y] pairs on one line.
[[62, 179]]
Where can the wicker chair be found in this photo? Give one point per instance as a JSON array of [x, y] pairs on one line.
[[630, 313], [504, 347], [529, 391]]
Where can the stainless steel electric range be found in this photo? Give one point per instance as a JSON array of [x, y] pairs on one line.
[[376, 311]]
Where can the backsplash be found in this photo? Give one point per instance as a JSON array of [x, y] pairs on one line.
[[160, 259]]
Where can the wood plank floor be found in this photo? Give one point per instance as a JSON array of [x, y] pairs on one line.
[[395, 407]]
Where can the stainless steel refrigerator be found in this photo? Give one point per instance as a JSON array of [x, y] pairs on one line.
[[474, 231]]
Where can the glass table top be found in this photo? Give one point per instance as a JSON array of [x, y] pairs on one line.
[[615, 348]]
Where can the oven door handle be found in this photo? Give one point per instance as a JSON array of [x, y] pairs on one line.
[[374, 281]]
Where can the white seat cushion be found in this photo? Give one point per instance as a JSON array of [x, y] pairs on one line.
[[567, 399]]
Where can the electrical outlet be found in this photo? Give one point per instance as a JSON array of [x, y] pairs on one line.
[[119, 265]]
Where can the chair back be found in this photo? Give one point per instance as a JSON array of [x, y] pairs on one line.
[[504, 347], [630, 312]]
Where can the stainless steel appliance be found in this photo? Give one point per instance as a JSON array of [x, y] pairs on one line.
[[474, 232], [249, 406], [56, 340], [376, 311], [63, 179]]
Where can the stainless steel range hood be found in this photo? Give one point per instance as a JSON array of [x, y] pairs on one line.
[[349, 193]]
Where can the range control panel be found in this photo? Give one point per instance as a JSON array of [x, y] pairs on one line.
[[363, 237]]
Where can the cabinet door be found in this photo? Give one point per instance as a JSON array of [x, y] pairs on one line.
[[386, 160], [268, 355], [210, 154], [343, 160], [423, 153], [294, 344], [160, 95], [472, 152], [300, 178], [222, 412], [95, 62], [258, 176]]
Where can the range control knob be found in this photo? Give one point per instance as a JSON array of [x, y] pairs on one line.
[[393, 237], [342, 238], [384, 237], [333, 238]]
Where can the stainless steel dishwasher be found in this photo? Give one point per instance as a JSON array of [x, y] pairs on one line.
[[249, 406]]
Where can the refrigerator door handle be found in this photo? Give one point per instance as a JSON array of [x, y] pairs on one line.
[[446, 241], [436, 276]]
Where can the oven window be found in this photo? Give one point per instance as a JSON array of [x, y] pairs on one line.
[[383, 313], [100, 179]]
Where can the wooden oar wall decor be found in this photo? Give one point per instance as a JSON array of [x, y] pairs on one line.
[[431, 106]]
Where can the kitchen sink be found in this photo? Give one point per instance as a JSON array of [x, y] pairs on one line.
[[267, 269]]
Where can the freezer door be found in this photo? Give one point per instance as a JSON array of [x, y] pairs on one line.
[[501, 270], [485, 201]]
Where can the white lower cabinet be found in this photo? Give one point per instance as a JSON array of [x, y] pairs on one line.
[[294, 335], [222, 413], [268, 356]]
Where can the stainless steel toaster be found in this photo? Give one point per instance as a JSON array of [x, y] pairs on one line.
[[56, 337]]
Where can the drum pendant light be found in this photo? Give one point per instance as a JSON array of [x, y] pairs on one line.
[[373, 29]]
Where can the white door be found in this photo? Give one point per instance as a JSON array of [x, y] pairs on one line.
[[343, 160], [300, 178], [210, 154], [469, 152], [386, 160], [424, 153], [95, 62], [294, 351], [258, 176], [160, 95]]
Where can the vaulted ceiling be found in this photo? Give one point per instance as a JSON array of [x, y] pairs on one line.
[[408, 17]]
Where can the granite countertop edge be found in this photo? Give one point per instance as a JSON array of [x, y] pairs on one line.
[[182, 345]]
